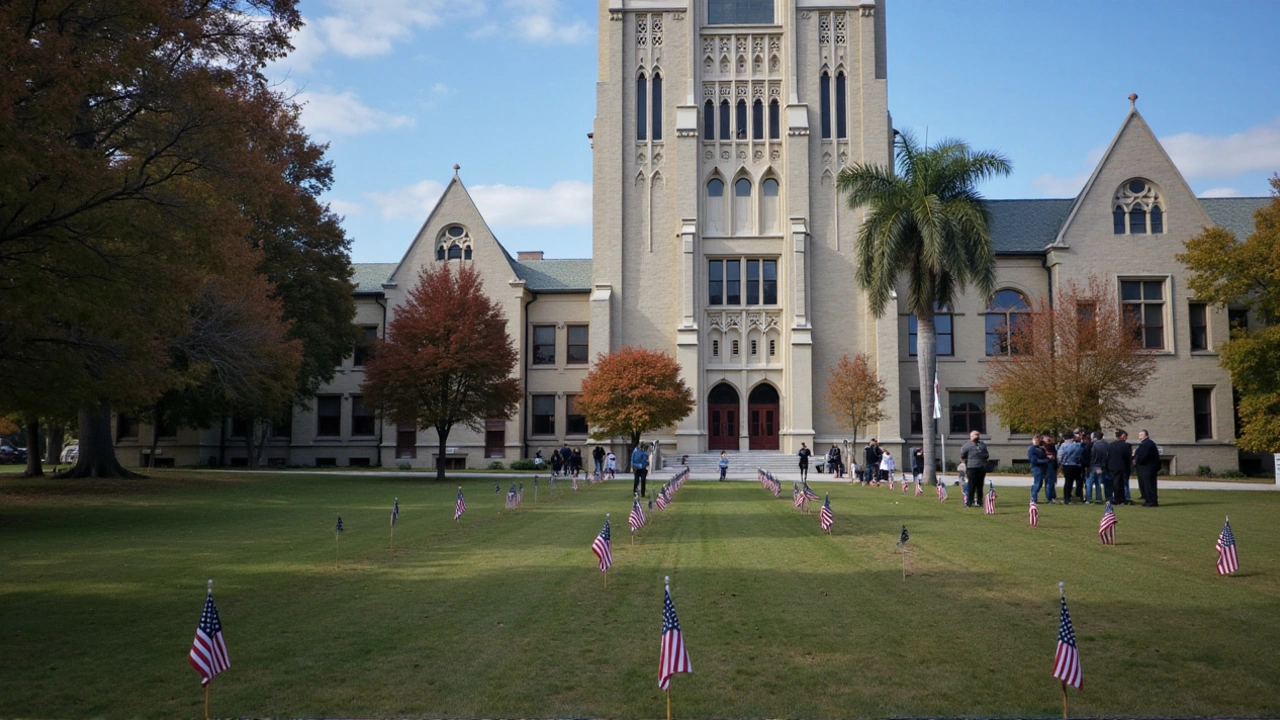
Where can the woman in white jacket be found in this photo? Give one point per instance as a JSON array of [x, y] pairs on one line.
[[887, 466]]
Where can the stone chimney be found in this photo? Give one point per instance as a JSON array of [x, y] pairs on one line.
[[523, 255]]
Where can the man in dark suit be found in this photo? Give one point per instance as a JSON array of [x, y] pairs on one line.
[[1146, 459], [1120, 465]]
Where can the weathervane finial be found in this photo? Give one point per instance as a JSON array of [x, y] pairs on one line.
[[1133, 100]]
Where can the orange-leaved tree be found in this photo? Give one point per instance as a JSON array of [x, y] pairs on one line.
[[447, 359], [855, 393], [633, 391], [1077, 362]]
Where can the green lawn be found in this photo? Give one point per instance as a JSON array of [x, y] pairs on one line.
[[506, 615]]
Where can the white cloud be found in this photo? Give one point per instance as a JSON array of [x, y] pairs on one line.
[[1220, 192], [565, 203], [1255, 149], [1053, 186], [329, 114], [346, 208], [539, 21]]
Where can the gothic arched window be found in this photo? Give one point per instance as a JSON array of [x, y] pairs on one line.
[[1007, 312], [841, 122], [757, 120], [769, 206], [724, 121], [824, 101], [1137, 209], [642, 106], [453, 243], [657, 105], [774, 119], [709, 121], [741, 206], [715, 207]]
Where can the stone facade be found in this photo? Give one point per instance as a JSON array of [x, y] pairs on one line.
[[719, 237]]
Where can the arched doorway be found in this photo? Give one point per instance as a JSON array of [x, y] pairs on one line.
[[723, 407], [762, 417]]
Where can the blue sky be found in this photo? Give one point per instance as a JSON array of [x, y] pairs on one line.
[[403, 89]]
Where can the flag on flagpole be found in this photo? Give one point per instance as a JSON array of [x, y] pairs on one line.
[[826, 518], [497, 489], [919, 488], [942, 491], [674, 658], [1227, 562], [339, 526], [809, 494], [600, 546], [990, 504], [904, 537], [460, 506], [395, 512], [1107, 528], [937, 402], [636, 520], [511, 497], [209, 651], [1066, 662], [1033, 514], [797, 497], [662, 498]]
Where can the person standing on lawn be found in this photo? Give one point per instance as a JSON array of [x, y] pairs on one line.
[[1120, 465], [1146, 459], [974, 454], [1039, 464], [724, 464], [887, 467], [833, 461], [1070, 454], [1051, 470], [917, 463], [871, 462], [804, 454], [598, 456], [639, 468], [1099, 460]]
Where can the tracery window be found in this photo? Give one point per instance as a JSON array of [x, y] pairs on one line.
[[1137, 209], [454, 243]]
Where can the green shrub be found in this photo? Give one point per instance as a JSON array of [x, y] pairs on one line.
[[404, 466], [1232, 474], [1204, 471], [496, 465], [523, 464]]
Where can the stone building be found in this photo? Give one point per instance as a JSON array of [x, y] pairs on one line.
[[719, 237]]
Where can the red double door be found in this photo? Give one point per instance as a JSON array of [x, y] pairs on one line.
[[723, 408]]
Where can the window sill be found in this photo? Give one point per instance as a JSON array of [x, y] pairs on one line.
[[1203, 353]]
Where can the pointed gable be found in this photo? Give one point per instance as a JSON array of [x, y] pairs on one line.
[[1134, 155]]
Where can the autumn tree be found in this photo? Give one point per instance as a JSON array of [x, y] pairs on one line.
[[855, 393], [633, 391], [1075, 362], [1228, 271], [447, 359]]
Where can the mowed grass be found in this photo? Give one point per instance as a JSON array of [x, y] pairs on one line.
[[506, 615]]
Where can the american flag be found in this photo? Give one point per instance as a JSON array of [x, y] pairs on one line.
[[209, 651], [459, 507], [890, 481], [600, 546], [636, 520], [809, 494], [905, 485], [797, 497], [904, 537], [674, 658], [339, 527], [1034, 514], [1066, 662], [662, 498], [575, 482], [826, 517], [942, 491], [919, 488], [990, 504], [497, 489], [395, 512], [1107, 529], [1227, 563], [777, 487], [511, 497]]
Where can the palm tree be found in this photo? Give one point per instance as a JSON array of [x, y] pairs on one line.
[[928, 222]]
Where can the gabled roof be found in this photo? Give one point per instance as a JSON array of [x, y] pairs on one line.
[[1026, 226], [552, 276], [1234, 214]]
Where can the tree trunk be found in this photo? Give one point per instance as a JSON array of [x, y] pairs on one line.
[[34, 468], [97, 452], [927, 363], [442, 432], [55, 433]]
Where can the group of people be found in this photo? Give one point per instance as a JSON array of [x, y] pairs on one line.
[[567, 462], [1095, 468]]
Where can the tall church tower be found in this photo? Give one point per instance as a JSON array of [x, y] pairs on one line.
[[718, 233]]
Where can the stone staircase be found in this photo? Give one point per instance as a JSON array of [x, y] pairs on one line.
[[741, 464]]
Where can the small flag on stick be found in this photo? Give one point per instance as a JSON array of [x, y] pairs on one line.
[[600, 546], [990, 504], [636, 520], [674, 657], [826, 518], [919, 487], [209, 651], [942, 491], [1227, 562], [1066, 662], [1033, 514], [460, 506], [1107, 528], [338, 528], [903, 537], [395, 512]]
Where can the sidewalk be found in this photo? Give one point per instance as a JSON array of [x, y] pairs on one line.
[[1021, 481]]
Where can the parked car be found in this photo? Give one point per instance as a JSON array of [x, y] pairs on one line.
[[11, 454], [70, 454]]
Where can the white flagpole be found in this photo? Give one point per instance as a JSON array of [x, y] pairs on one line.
[[937, 419]]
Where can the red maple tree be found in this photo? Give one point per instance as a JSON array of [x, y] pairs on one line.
[[447, 359], [633, 391]]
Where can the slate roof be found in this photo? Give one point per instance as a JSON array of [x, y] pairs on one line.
[[1234, 214], [1026, 226], [555, 275], [368, 277]]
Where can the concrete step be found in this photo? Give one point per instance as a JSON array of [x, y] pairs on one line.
[[703, 464]]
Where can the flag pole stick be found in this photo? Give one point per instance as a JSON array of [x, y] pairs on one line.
[[1064, 700], [668, 706], [335, 548], [206, 701], [904, 562]]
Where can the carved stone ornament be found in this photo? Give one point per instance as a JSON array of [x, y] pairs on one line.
[[709, 155], [775, 154], [742, 154], [615, 15], [715, 320], [759, 155], [725, 154]]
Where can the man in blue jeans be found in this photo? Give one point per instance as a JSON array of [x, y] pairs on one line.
[[1098, 451], [1039, 466], [640, 468]]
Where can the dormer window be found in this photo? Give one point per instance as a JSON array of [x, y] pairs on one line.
[[1137, 209]]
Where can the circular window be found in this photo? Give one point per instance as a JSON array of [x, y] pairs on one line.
[[456, 231], [1137, 186]]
